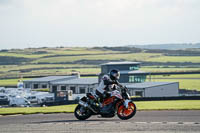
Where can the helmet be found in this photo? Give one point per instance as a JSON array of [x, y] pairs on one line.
[[114, 74]]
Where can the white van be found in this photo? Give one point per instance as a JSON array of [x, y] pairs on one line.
[[19, 102]]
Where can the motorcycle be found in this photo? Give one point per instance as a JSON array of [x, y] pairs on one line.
[[118, 103]]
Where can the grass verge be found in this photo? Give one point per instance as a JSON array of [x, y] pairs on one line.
[[144, 105], [169, 105], [35, 110]]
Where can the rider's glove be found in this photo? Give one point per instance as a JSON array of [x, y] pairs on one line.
[[121, 86], [117, 83]]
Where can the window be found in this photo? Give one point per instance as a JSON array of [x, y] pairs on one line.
[[139, 93], [143, 78], [63, 88], [90, 89], [82, 90], [134, 67], [35, 86], [137, 79], [131, 79], [3, 97], [27, 85], [54, 88], [61, 94], [73, 89], [31, 97], [44, 86]]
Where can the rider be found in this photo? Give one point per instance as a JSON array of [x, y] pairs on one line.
[[107, 84]]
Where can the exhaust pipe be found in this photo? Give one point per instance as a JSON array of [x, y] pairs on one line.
[[86, 106]]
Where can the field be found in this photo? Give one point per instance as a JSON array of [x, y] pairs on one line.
[[147, 105], [169, 105], [8, 82], [187, 81], [17, 63], [169, 69], [194, 59]]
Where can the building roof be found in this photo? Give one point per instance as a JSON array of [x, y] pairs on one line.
[[121, 63], [146, 84], [49, 78], [79, 81], [133, 72]]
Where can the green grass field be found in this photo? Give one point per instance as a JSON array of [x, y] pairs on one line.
[[169, 69], [113, 56], [147, 105], [194, 59], [34, 110], [169, 105], [10, 82], [33, 53], [68, 60], [191, 84], [185, 81]]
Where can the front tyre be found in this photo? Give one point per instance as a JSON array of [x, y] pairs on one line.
[[126, 113], [82, 113]]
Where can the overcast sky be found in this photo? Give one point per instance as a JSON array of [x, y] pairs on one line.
[[51, 23]]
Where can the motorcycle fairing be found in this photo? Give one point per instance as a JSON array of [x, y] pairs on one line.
[[116, 93]]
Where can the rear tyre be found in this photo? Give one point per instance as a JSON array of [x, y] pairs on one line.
[[82, 113], [126, 113]]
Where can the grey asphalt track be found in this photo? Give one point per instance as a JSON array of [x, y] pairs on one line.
[[143, 122]]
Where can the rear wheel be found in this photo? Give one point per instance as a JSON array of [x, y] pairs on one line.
[[82, 113], [126, 113]]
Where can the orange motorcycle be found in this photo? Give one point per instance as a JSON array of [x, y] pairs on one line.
[[118, 103]]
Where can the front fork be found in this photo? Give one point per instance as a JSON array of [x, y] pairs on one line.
[[126, 103]]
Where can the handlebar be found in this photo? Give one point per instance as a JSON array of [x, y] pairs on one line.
[[123, 88]]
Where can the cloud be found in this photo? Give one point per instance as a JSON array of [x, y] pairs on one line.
[[91, 21], [3, 2]]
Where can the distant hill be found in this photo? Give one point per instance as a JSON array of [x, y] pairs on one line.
[[168, 46]]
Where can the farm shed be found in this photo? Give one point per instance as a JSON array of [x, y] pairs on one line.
[[63, 86], [45, 82], [78, 86], [153, 89]]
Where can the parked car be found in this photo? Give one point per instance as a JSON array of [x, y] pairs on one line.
[[32, 99], [3, 97]]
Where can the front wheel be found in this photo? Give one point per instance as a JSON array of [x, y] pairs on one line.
[[126, 113], [82, 113]]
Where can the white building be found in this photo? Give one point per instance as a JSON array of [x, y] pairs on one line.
[[45, 82], [60, 85], [154, 89], [79, 86]]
